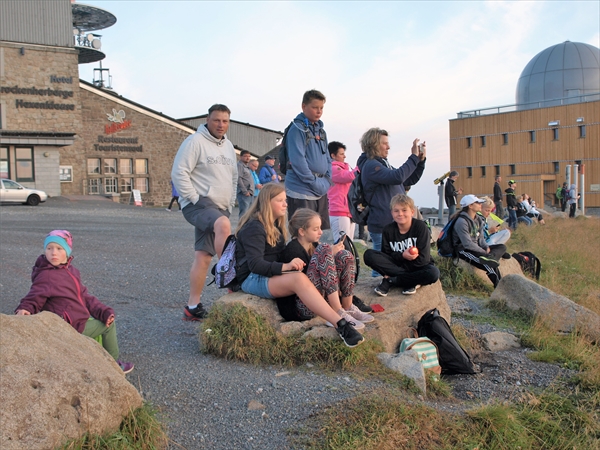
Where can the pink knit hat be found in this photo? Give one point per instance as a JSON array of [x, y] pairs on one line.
[[62, 238]]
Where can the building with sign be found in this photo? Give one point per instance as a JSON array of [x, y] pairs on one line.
[[554, 126], [70, 137]]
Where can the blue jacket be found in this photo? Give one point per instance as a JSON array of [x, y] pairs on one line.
[[266, 174], [310, 174], [381, 182]]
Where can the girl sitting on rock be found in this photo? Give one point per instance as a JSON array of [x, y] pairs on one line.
[[57, 288], [261, 240], [332, 269]]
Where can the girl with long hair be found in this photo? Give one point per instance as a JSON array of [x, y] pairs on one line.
[[331, 268], [261, 238]]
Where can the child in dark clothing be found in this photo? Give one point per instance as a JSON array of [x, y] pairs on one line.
[[56, 287], [404, 259], [331, 268]]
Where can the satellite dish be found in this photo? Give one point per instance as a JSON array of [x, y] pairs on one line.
[[75, 31], [97, 44], [90, 37]]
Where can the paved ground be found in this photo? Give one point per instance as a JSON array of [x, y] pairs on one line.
[[137, 260]]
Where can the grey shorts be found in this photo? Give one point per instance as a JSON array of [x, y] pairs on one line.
[[203, 216]]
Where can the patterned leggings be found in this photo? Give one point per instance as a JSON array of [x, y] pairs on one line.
[[330, 273]]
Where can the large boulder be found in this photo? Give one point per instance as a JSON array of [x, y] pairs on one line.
[[56, 384], [507, 267], [389, 327], [558, 312], [401, 311]]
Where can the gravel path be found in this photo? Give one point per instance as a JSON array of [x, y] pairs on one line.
[[137, 260]]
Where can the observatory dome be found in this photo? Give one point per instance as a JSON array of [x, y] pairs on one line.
[[570, 71]]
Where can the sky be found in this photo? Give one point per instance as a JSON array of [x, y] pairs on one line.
[[407, 67]]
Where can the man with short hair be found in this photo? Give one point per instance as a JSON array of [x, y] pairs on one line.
[[205, 175], [245, 185], [309, 176], [267, 173], [498, 197], [451, 193]]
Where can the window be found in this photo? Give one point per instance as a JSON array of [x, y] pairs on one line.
[[126, 184], [505, 139], [125, 166], [532, 136], [110, 185], [24, 164], [469, 142], [94, 185], [93, 165], [141, 166], [556, 167], [497, 170], [141, 184], [4, 163], [581, 131], [578, 162], [110, 165], [483, 141], [483, 171], [513, 169], [555, 134], [469, 172]]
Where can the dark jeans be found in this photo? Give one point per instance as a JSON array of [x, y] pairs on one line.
[[174, 200], [512, 218], [572, 208], [321, 206], [499, 209], [563, 204], [385, 265]]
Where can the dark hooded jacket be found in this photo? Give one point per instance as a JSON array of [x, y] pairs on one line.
[[381, 182], [58, 289]]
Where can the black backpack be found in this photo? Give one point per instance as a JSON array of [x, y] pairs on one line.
[[357, 203], [530, 264], [349, 245], [444, 241], [284, 160], [453, 358]]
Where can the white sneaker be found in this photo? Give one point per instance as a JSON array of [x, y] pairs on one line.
[[357, 324], [359, 315]]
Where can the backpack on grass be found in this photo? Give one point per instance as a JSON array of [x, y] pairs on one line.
[[453, 358], [530, 264], [444, 241], [224, 270], [427, 352]]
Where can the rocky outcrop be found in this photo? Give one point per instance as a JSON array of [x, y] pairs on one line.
[[497, 341], [389, 327], [56, 384], [557, 312], [408, 364]]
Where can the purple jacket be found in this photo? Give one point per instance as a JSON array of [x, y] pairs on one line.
[[59, 290]]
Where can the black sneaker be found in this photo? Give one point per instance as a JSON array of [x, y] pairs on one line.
[[361, 305], [384, 287], [506, 256], [349, 335], [196, 313]]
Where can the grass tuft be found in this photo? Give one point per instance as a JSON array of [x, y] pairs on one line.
[[241, 334], [458, 281], [140, 430]]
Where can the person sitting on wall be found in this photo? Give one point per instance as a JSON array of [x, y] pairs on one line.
[[532, 212]]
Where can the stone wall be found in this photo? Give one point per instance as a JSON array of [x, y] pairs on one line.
[[51, 71]]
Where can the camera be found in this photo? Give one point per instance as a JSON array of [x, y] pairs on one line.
[[421, 148]]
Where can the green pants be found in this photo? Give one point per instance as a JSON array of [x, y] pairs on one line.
[[95, 328]]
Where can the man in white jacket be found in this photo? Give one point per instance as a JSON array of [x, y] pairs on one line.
[[205, 175]]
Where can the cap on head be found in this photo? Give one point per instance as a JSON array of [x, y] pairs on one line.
[[62, 238], [469, 200], [269, 157], [512, 182]]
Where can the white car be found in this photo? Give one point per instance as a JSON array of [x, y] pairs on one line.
[[11, 191]]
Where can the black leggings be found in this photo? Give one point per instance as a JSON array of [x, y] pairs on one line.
[[487, 263]]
